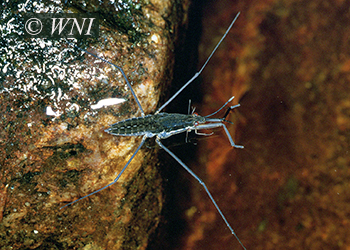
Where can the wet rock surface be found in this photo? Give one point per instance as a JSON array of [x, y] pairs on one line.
[[53, 145]]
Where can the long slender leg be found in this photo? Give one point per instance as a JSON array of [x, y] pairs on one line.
[[116, 179], [216, 125], [200, 71], [203, 184], [120, 69]]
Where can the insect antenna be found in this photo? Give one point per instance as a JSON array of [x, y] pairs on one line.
[[217, 111], [119, 68]]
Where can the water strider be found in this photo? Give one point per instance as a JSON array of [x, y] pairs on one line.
[[163, 125]]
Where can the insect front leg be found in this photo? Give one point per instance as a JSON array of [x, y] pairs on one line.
[[216, 125], [205, 134]]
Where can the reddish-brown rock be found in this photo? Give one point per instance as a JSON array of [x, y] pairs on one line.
[[287, 63]]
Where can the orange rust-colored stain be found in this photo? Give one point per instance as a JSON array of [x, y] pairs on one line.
[[288, 188]]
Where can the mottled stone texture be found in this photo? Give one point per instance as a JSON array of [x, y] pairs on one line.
[[287, 63], [48, 161]]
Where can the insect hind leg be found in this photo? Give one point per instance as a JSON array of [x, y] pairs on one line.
[[120, 69], [204, 186], [116, 179]]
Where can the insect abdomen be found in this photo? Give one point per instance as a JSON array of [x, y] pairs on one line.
[[131, 127]]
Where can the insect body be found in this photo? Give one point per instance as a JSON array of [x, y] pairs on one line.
[[158, 124], [163, 125]]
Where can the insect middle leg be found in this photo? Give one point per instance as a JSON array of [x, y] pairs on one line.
[[204, 186], [200, 71]]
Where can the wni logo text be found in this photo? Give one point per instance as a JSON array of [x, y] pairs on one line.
[[61, 25]]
